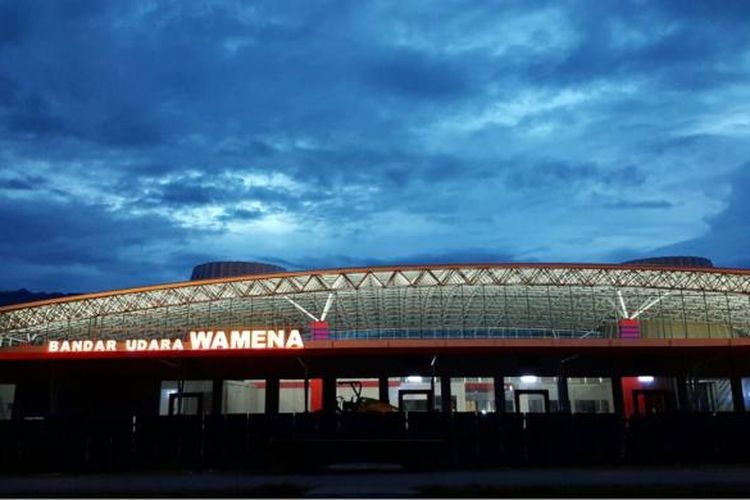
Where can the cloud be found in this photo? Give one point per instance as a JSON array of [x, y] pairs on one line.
[[644, 204], [727, 240], [138, 138], [15, 20], [21, 183], [458, 256], [550, 173], [32, 116], [48, 243], [126, 128], [415, 75]]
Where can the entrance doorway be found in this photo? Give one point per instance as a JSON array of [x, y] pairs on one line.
[[186, 403], [415, 400], [532, 401], [711, 394], [649, 402]]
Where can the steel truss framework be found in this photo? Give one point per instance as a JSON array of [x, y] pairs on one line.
[[409, 301]]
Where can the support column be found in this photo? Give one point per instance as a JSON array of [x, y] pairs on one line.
[[329, 394], [499, 383], [738, 399], [307, 394], [617, 396], [683, 398], [272, 396], [53, 390], [383, 394], [217, 396], [563, 397], [446, 398]]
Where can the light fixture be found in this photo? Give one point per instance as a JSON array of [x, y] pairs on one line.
[[529, 379], [414, 378], [645, 379]]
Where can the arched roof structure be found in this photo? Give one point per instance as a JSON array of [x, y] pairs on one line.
[[423, 301]]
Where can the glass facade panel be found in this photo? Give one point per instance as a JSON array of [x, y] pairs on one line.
[[188, 397], [526, 394], [647, 394], [349, 390], [473, 394], [7, 396], [292, 396], [244, 396], [590, 395], [413, 393], [714, 394]]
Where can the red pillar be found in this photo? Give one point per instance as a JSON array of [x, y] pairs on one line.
[[316, 394]]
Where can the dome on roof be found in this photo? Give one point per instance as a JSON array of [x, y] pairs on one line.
[[222, 269], [673, 261]]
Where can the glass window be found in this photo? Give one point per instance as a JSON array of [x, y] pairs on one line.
[[349, 392], [188, 397], [414, 392], [526, 394], [647, 394], [590, 395], [244, 396], [7, 396], [473, 394], [292, 395], [712, 394]]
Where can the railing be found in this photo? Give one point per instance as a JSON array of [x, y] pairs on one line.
[[426, 440], [476, 333]]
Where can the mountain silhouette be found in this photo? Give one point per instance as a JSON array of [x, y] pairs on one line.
[[22, 296]]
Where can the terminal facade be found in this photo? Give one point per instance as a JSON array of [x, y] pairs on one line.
[[644, 337], [436, 365]]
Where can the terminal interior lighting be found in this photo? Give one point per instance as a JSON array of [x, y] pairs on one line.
[[414, 378], [529, 379], [645, 379]]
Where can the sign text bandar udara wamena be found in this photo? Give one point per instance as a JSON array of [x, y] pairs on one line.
[[197, 340]]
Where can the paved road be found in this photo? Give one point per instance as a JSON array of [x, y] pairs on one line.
[[688, 481]]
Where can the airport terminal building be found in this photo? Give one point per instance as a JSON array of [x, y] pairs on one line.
[[484, 344]]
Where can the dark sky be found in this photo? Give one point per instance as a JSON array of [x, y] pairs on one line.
[[140, 138]]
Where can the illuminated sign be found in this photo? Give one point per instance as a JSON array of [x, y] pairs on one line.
[[629, 328], [320, 330], [198, 340]]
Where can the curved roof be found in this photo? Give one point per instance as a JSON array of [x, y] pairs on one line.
[[506, 300], [229, 269]]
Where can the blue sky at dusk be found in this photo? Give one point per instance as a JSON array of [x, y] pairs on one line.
[[138, 139]]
